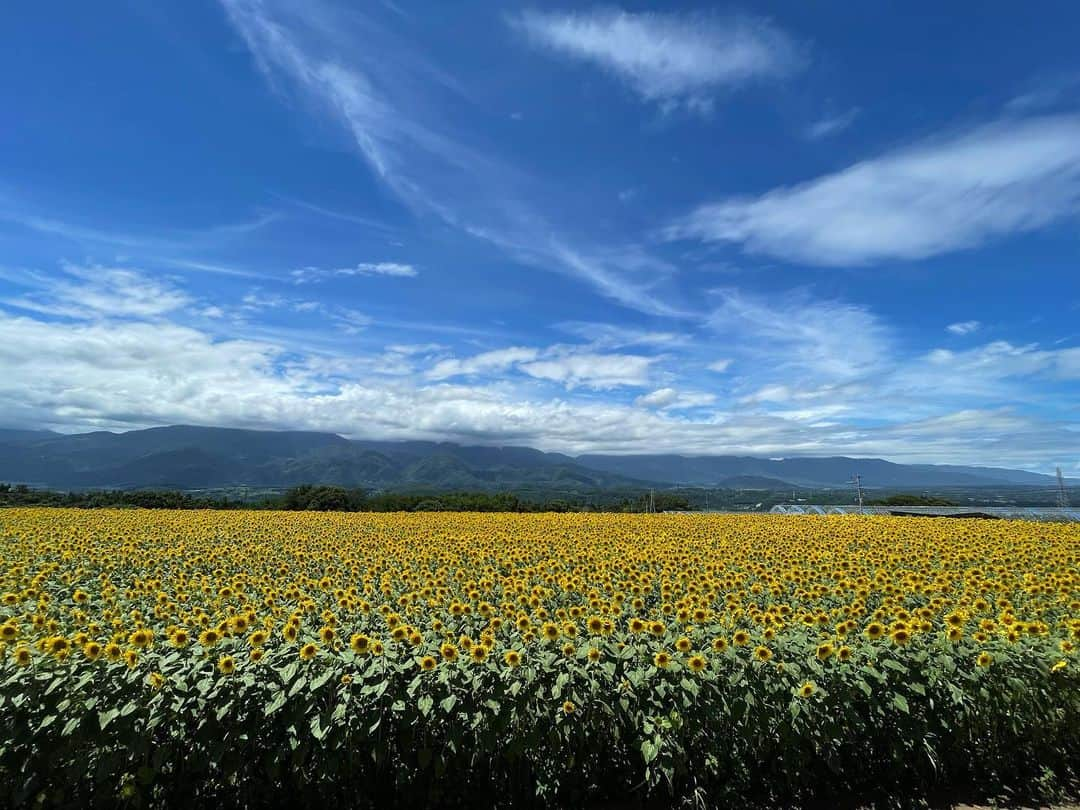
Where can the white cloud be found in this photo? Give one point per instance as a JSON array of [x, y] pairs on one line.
[[613, 336], [597, 371], [940, 196], [802, 338], [97, 291], [720, 366], [670, 398], [310, 274], [1002, 360], [350, 321], [666, 57], [120, 374], [571, 366], [963, 327], [484, 363], [831, 125]]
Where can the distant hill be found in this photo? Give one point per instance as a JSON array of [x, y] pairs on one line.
[[187, 457], [753, 482], [833, 471]]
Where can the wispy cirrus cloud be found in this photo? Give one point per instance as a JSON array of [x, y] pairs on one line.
[[96, 291], [399, 109], [569, 366], [831, 125], [939, 196], [673, 399], [667, 58], [963, 327], [306, 275], [801, 337]]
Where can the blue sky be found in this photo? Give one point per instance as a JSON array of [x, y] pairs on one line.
[[771, 229]]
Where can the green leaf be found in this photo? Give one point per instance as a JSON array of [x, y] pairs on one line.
[[447, 703], [424, 704], [298, 684], [649, 750], [106, 717], [900, 702], [276, 703]]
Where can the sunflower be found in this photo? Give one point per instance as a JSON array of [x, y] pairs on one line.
[[683, 644], [257, 638], [179, 637], [140, 639], [662, 660], [719, 644], [762, 653], [637, 626], [113, 651], [550, 631], [824, 651], [23, 656], [900, 636], [697, 663], [568, 707], [308, 651], [360, 643], [844, 653], [875, 630], [741, 638], [478, 653], [210, 637], [985, 659], [131, 658], [92, 650], [512, 658], [226, 665], [58, 646], [256, 655], [594, 654], [807, 689], [427, 663]]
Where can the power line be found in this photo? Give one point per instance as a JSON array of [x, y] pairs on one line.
[[857, 481]]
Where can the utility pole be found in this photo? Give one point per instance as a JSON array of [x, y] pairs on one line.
[[1063, 496], [857, 481]]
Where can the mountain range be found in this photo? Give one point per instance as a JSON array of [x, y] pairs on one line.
[[188, 457]]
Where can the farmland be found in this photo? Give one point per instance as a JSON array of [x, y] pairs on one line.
[[200, 657]]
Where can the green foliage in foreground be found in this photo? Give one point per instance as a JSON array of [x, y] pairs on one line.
[[888, 726]]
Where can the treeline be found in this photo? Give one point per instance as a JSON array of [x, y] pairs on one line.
[[22, 495], [311, 498], [912, 500], [340, 499]]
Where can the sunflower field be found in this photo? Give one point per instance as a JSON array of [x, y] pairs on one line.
[[168, 658]]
